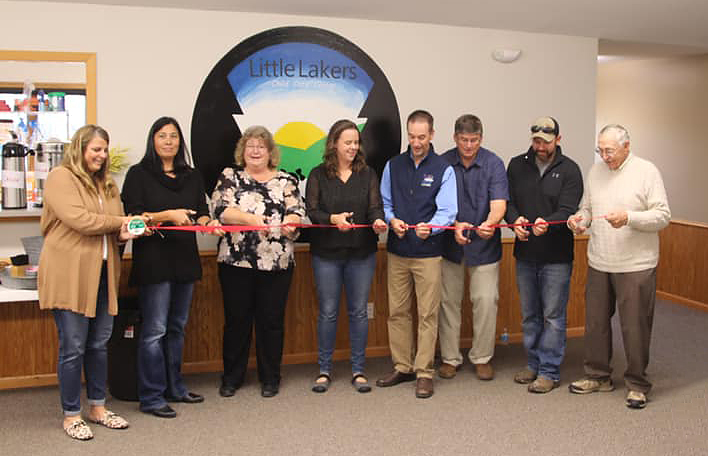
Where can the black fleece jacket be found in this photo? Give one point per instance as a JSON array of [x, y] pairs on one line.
[[554, 196]]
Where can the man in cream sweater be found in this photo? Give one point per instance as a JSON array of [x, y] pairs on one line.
[[625, 202]]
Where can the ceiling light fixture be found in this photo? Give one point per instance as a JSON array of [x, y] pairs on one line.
[[506, 55]]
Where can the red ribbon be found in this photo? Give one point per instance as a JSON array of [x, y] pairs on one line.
[[241, 228]]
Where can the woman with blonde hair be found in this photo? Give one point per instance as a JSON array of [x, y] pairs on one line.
[[256, 266], [82, 223]]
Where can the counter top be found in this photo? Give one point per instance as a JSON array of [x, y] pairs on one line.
[[10, 215], [12, 295]]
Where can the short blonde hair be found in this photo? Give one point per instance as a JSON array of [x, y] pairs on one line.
[[74, 161], [262, 133]]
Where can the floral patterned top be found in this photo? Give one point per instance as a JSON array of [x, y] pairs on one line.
[[274, 199]]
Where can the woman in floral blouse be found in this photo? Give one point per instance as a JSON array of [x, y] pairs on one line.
[[256, 266]]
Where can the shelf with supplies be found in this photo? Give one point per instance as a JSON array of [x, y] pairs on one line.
[[51, 124]]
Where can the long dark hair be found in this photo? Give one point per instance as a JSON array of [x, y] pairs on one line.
[[152, 161], [330, 153]]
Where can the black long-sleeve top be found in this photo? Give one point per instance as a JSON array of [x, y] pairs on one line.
[[553, 196], [329, 195], [174, 257]]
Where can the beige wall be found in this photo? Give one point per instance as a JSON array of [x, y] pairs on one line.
[[152, 62], [664, 105], [63, 72]]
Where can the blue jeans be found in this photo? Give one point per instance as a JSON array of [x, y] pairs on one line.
[[543, 290], [356, 275], [164, 308], [82, 342]]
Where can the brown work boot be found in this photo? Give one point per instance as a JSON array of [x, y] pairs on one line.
[[543, 385], [525, 376], [394, 378], [447, 370], [423, 388], [484, 371]]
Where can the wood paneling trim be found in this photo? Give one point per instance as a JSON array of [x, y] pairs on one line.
[[682, 301], [28, 344], [28, 381], [44, 85], [45, 56], [22, 218], [91, 91], [690, 223], [683, 264]]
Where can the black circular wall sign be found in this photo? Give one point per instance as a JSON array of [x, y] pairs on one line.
[[295, 81]]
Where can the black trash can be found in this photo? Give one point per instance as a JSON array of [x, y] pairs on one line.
[[123, 351]]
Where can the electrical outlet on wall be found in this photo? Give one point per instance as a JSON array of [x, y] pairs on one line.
[[370, 310]]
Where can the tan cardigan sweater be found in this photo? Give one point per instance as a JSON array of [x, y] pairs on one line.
[[73, 224], [636, 187]]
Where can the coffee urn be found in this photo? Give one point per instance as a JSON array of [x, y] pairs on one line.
[[49, 156], [14, 184]]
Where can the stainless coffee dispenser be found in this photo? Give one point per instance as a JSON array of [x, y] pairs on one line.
[[49, 156], [14, 183]]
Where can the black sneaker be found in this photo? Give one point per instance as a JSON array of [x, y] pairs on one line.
[[269, 390], [227, 390]]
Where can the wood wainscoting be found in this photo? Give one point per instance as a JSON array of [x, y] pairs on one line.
[[204, 333], [28, 342], [682, 275]]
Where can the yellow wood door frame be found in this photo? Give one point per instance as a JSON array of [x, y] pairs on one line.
[[88, 58]]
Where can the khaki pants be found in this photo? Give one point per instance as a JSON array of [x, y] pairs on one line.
[[484, 295], [405, 276], [634, 295]]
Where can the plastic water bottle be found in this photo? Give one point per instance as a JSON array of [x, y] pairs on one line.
[[35, 136], [22, 132], [41, 100], [504, 337]]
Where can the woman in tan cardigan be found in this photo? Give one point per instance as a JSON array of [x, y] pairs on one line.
[[82, 223]]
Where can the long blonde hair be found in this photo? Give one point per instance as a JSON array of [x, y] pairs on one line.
[[74, 161]]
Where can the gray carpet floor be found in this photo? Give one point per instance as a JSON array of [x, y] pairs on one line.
[[465, 416]]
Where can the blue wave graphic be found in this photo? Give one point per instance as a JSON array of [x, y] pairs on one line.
[[301, 70]]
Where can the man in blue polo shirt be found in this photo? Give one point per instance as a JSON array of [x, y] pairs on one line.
[[474, 246], [418, 191]]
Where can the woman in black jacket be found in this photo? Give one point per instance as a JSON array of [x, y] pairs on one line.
[[165, 190]]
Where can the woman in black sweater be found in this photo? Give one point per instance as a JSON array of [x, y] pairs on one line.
[[165, 190], [343, 191]]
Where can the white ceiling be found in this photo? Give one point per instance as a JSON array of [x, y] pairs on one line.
[[625, 27]]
